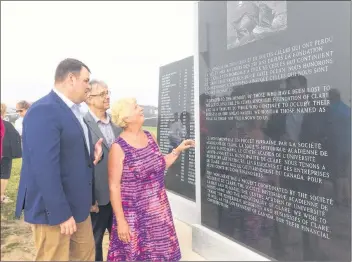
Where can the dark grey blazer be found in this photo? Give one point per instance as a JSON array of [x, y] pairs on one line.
[[102, 194]]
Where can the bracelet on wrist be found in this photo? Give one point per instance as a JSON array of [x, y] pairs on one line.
[[175, 152]]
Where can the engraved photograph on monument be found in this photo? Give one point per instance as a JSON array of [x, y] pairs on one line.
[[248, 21], [275, 129], [176, 123]]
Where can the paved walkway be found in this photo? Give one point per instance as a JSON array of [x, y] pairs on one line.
[[184, 234]]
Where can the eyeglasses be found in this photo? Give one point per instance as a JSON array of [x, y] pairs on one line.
[[102, 94]]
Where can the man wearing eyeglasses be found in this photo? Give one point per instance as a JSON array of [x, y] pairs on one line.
[[100, 125]]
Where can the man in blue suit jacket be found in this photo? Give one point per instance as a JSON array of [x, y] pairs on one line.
[[56, 185]]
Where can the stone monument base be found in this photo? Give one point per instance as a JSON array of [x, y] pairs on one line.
[[214, 247], [182, 209]]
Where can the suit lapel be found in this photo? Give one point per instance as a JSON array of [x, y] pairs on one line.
[[72, 115], [95, 128], [116, 130]]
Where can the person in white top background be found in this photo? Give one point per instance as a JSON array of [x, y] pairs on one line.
[[21, 108]]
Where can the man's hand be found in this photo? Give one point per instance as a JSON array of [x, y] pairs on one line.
[[95, 208], [68, 227], [98, 151]]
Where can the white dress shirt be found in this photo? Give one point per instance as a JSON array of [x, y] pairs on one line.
[[19, 125], [77, 112], [105, 128]]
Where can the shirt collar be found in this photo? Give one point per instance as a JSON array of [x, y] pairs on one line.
[[97, 120], [67, 101]]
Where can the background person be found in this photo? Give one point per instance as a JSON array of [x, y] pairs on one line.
[[21, 108], [11, 149], [2, 134], [143, 228]]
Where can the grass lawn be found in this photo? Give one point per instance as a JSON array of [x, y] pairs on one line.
[[8, 210], [16, 238], [151, 129]]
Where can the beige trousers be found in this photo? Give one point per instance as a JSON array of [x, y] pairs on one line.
[[51, 245]]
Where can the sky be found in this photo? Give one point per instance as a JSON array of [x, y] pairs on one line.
[[123, 43]]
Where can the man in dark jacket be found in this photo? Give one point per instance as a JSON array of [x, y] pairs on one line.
[[101, 127], [2, 134], [56, 183], [11, 148]]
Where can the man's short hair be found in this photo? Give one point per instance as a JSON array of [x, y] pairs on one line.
[[69, 65], [93, 83]]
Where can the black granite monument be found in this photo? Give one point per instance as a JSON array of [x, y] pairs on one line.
[[275, 126], [176, 123]]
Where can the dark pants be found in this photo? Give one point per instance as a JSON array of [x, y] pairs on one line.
[[6, 166], [100, 222]]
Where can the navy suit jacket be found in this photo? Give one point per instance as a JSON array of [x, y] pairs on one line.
[[57, 171]]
